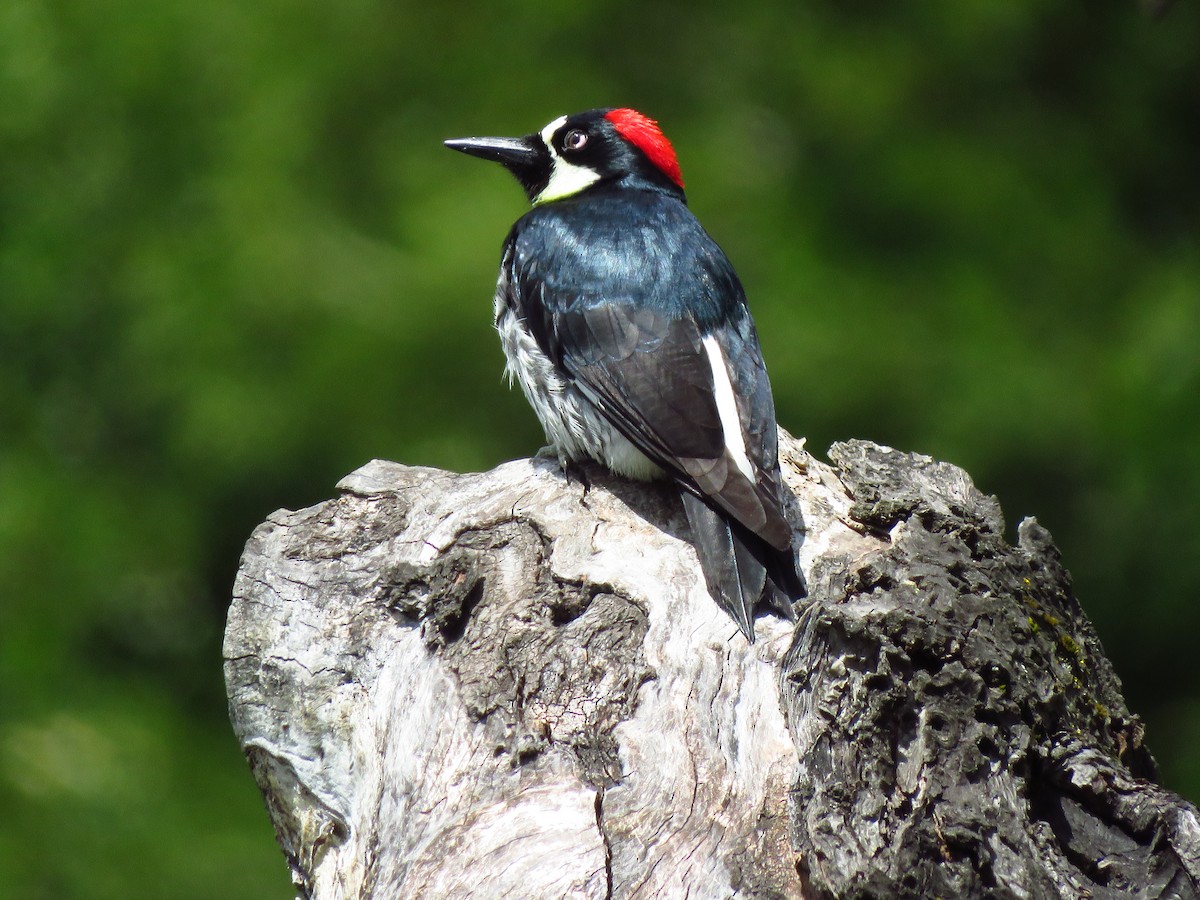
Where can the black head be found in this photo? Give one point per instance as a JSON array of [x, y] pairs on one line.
[[574, 153]]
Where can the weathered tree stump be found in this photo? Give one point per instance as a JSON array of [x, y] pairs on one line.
[[513, 684]]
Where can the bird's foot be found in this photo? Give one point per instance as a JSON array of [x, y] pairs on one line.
[[576, 471]]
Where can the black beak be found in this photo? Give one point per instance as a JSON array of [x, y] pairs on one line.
[[516, 154], [527, 158]]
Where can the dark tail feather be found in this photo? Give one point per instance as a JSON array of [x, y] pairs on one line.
[[734, 576], [739, 568], [785, 583]]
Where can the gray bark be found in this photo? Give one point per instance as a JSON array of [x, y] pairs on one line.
[[514, 684]]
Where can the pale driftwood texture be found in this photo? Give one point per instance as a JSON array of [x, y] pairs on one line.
[[512, 684]]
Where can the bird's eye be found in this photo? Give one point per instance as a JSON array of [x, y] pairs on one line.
[[575, 139]]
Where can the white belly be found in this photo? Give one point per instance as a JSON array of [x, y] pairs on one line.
[[572, 424]]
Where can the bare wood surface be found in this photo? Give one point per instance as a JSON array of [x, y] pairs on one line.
[[513, 684]]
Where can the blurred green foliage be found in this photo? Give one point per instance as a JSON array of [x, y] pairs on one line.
[[236, 263]]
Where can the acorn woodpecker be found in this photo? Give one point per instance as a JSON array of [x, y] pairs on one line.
[[629, 333]]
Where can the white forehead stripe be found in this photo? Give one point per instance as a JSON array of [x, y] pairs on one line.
[[731, 423], [566, 178], [548, 131]]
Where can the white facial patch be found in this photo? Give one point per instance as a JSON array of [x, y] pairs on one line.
[[731, 424], [566, 178]]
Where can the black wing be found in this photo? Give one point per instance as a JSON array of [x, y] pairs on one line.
[[624, 308]]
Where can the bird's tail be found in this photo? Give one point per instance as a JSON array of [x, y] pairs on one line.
[[740, 568]]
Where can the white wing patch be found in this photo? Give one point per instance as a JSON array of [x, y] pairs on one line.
[[566, 178], [731, 424]]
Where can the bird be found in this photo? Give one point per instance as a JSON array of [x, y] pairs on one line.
[[628, 331]]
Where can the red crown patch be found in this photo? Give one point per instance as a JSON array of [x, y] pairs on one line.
[[644, 133]]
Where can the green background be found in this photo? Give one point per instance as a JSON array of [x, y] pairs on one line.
[[236, 263]]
